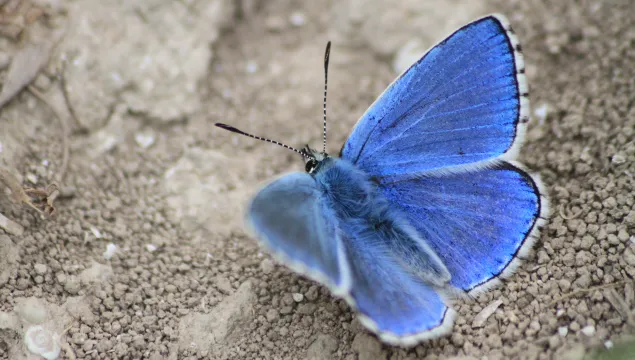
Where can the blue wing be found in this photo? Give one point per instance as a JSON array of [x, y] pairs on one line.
[[463, 102], [292, 220], [478, 223], [394, 302]]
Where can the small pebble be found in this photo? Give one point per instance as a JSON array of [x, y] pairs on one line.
[[144, 139], [252, 67], [563, 331], [111, 249], [297, 297], [32, 178], [96, 232], [266, 266], [40, 269], [588, 330], [297, 18]]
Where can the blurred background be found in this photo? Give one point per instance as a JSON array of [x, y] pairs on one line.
[[106, 118]]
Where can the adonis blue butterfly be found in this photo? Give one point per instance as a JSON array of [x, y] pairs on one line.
[[425, 200]]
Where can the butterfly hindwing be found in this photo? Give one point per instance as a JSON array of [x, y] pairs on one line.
[[478, 222], [394, 302], [292, 221], [462, 103]]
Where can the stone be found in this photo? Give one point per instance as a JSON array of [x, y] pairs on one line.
[[322, 347]]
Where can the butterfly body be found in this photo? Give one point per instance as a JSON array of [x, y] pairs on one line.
[[361, 209], [425, 200]]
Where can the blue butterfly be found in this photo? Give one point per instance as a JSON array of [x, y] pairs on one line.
[[424, 201]]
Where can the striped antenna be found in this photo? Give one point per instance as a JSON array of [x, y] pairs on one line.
[[234, 130], [327, 53]]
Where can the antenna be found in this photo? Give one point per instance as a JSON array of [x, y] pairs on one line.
[[234, 130], [327, 53]]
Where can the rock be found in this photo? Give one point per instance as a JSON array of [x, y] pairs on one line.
[[223, 285], [164, 62], [322, 347], [31, 310], [9, 321], [267, 266], [272, 315], [40, 269], [367, 347], [222, 324], [72, 285]]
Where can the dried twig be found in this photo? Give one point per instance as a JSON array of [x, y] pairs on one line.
[[573, 216], [62, 78], [584, 291], [620, 306]]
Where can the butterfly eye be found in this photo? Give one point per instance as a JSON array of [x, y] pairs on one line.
[[310, 165]]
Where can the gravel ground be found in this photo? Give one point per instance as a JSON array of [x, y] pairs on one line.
[[131, 92]]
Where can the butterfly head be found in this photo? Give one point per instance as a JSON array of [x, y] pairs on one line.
[[312, 159]]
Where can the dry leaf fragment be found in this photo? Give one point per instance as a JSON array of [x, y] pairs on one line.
[[481, 318], [43, 198]]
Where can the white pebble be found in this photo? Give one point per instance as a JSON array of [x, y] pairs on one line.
[[608, 344], [111, 249], [95, 232], [32, 178], [297, 19], [297, 297], [559, 313], [151, 248], [563, 331], [252, 67], [42, 342], [588, 330], [144, 140], [618, 159], [541, 112]]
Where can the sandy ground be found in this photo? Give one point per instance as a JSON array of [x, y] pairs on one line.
[[137, 89]]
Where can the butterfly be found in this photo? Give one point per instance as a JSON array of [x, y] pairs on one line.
[[424, 201]]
